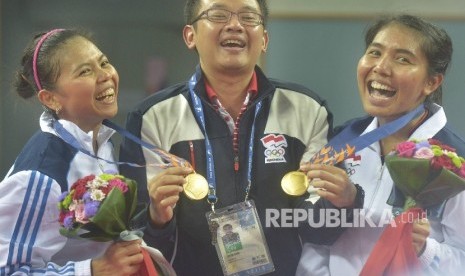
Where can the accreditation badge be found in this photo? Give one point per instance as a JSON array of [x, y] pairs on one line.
[[239, 240]]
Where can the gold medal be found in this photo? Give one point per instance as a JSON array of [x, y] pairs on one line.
[[196, 186], [295, 183]]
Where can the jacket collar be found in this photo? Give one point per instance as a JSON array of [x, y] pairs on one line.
[[430, 127], [85, 139], [264, 86]]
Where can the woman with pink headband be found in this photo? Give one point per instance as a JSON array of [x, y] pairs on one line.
[[78, 88]]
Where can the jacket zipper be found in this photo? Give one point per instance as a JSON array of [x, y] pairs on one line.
[[192, 156], [236, 162], [378, 184]]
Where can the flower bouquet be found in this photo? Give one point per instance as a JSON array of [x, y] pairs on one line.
[[102, 205], [103, 208], [426, 173]]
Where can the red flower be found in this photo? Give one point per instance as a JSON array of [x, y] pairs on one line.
[[64, 214], [442, 161], [79, 186], [432, 141], [448, 148], [83, 181], [106, 190], [79, 191], [443, 146]]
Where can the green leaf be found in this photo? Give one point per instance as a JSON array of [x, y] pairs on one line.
[[409, 203], [73, 233], [409, 175], [112, 214], [139, 219], [444, 186], [417, 180], [115, 213], [93, 232], [131, 198]]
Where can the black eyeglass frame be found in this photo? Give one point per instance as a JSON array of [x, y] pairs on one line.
[[205, 12]]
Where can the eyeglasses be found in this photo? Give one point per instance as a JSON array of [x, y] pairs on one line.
[[223, 16]]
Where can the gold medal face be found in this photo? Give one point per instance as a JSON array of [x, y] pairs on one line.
[[295, 183], [196, 186]]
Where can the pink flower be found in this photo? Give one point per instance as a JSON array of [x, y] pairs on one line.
[[405, 149], [118, 184], [80, 214], [423, 153]]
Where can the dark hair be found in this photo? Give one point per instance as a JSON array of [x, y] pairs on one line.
[[48, 65], [435, 43], [191, 10]]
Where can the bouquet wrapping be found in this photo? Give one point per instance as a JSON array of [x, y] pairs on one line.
[[103, 208], [427, 173]]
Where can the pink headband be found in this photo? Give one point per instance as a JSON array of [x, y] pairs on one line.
[[36, 53]]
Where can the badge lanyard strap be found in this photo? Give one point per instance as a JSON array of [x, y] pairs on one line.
[[198, 111], [72, 141]]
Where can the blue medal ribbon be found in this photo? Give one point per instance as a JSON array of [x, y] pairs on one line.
[[350, 138], [72, 141]]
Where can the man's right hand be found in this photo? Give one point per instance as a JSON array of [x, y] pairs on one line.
[[164, 191]]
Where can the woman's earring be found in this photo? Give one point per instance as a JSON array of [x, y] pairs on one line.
[[57, 110]]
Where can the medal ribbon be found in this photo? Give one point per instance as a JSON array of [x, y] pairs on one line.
[[339, 149], [175, 161], [72, 141], [199, 114]]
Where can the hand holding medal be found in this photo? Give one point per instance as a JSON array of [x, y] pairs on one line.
[[196, 186], [296, 183]]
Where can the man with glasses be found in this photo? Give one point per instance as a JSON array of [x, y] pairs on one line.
[[241, 133]]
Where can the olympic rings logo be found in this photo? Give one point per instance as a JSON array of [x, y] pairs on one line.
[[275, 152], [350, 171]]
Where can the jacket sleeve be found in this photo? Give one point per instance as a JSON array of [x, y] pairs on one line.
[[164, 239], [318, 132], [316, 139], [131, 155], [30, 230], [314, 260], [445, 248], [144, 127]]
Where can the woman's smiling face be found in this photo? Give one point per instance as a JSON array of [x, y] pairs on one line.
[[87, 87], [393, 74]]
